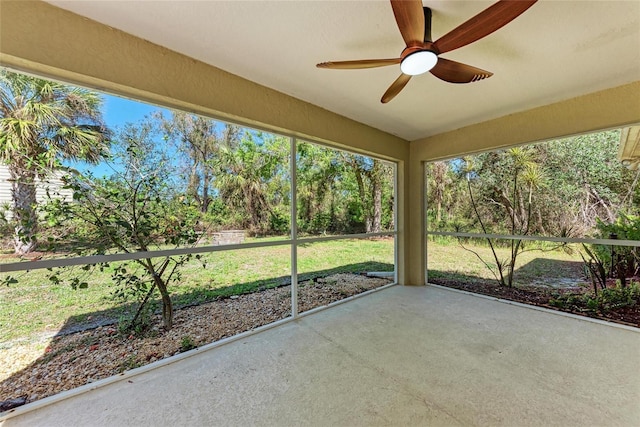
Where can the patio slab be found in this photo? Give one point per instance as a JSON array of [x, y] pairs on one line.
[[401, 356]]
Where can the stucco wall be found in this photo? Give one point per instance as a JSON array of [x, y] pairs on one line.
[[39, 38]]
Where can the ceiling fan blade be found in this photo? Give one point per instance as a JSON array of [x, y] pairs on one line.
[[483, 24], [362, 63], [410, 19], [395, 88], [457, 72]]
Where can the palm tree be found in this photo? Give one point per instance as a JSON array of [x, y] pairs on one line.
[[244, 174], [42, 123]]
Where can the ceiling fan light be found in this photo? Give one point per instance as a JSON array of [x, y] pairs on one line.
[[419, 62]]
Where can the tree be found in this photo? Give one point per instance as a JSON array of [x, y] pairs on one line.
[[199, 140], [585, 171], [134, 210], [512, 194], [437, 181], [342, 192], [318, 172], [370, 175], [137, 151], [41, 124], [244, 172]]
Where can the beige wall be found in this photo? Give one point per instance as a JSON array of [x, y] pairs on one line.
[[610, 108], [40, 38], [37, 37]]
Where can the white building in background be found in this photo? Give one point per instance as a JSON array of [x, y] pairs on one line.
[[53, 183]]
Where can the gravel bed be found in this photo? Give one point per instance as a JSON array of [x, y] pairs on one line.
[[37, 370]]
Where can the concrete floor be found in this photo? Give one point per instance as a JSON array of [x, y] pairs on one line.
[[402, 356]]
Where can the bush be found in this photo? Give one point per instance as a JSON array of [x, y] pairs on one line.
[[607, 300], [187, 343], [279, 220], [620, 262], [617, 297]]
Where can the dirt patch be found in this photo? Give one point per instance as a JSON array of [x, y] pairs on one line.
[[79, 358], [568, 299]]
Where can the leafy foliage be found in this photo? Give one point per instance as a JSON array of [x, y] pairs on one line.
[[135, 211], [620, 262], [42, 123], [512, 200], [173, 180], [576, 181], [607, 300], [566, 188], [187, 343], [342, 193]]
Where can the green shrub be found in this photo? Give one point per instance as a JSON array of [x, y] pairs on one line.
[[621, 262], [187, 344], [607, 300]]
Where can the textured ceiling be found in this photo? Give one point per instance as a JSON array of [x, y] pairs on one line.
[[554, 51]]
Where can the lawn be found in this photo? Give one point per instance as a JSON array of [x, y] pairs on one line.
[[538, 264], [549, 278], [35, 307]]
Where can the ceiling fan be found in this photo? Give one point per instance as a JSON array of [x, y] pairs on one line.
[[421, 54]]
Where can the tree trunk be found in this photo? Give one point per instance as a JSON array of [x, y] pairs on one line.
[[361, 193], [439, 172], [377, 207], [194, 183], [305, 208], [167, 305], [25, 217], [205, 192], [392, 224], [610, 215]]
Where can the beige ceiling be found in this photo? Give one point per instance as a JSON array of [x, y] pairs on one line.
[[557, 50]]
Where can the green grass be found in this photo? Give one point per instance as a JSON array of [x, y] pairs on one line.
[[35, 305], [449, 259]]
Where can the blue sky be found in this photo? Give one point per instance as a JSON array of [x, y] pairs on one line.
[[117, 111]]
